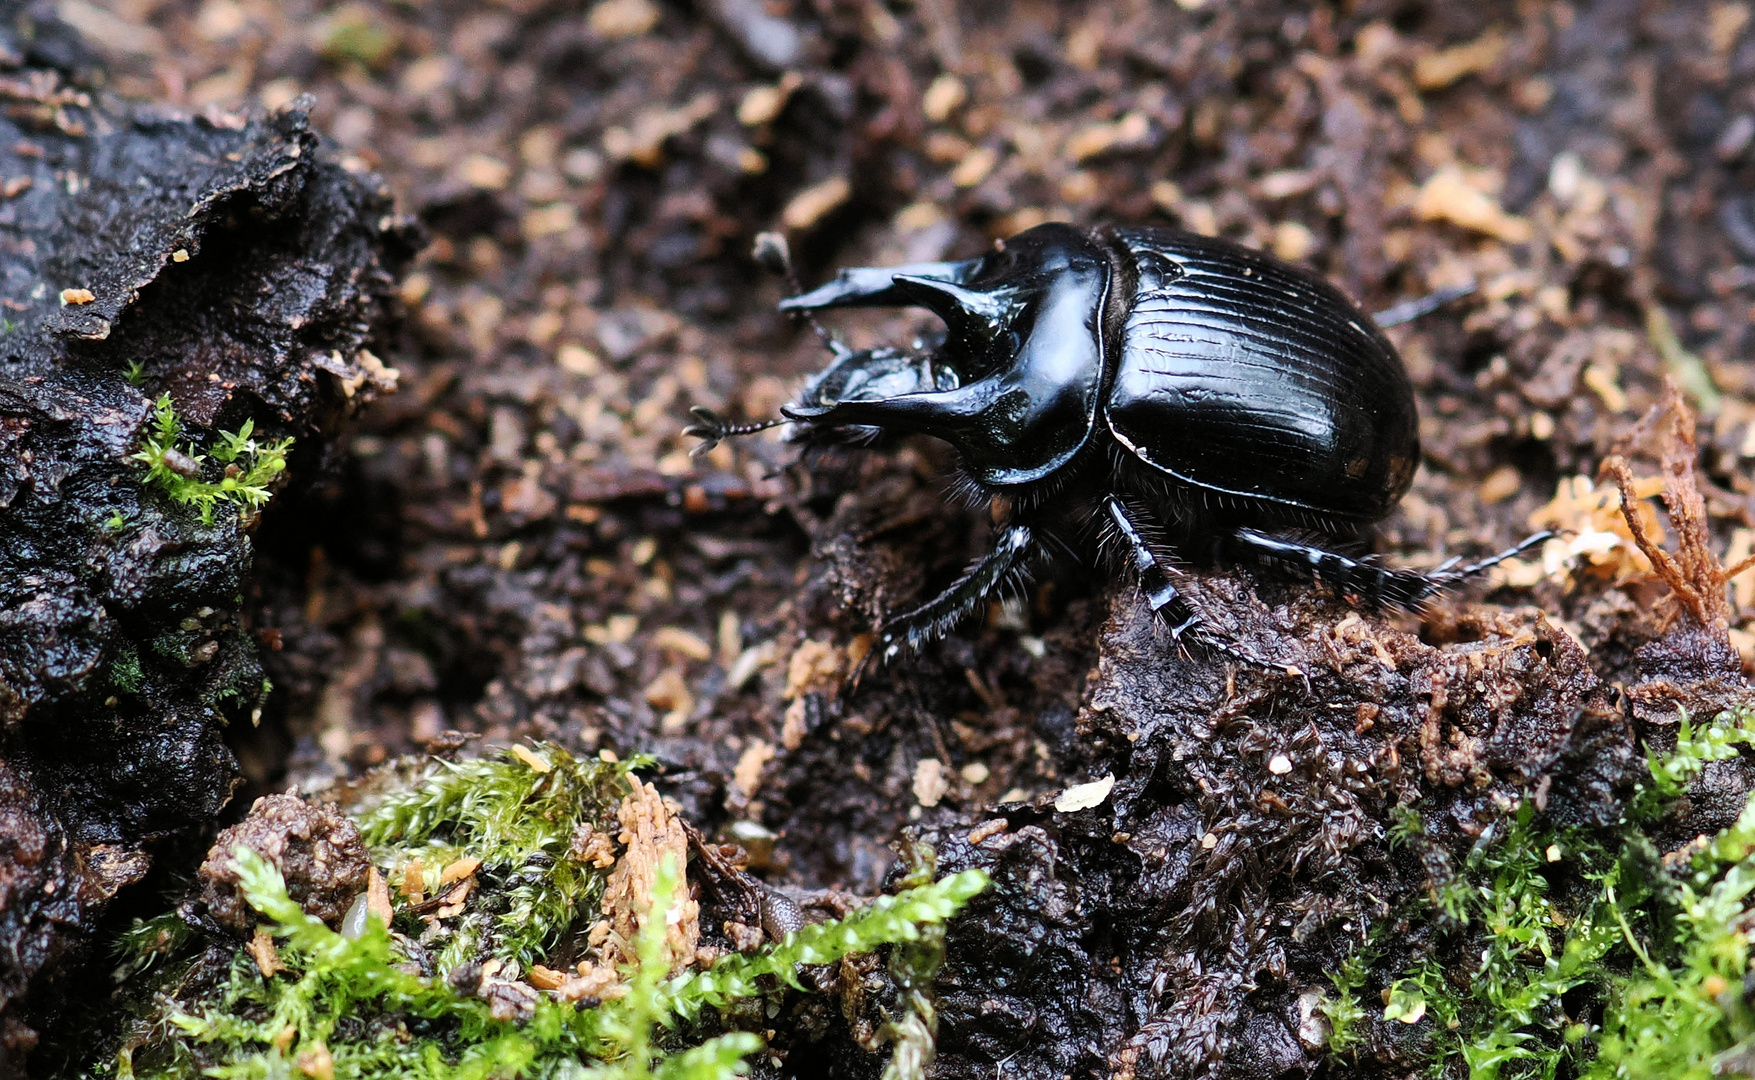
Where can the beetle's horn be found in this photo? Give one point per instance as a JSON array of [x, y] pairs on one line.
[[973, 318], [876, 286]]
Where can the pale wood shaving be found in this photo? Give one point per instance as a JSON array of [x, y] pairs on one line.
[[651, 832]]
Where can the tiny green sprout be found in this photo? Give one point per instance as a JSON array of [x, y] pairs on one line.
[[1405, 826], [250, 466], [135, 373], [116, 522], [1406, 1003]]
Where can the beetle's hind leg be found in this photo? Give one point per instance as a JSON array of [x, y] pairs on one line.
[[1368, 581], [1003, 568]]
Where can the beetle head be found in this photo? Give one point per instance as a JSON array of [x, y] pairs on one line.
[[1013, 386]]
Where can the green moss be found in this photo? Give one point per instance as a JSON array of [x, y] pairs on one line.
[[1581, 954], [250, 467], [359, 1006], [126, 677]]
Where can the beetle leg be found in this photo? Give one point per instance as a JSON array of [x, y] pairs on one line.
[[1169, 605], [935, 618], [1370, 582]]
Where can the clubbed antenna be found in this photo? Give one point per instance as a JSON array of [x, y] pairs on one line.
[[712, 429], [774, 255]]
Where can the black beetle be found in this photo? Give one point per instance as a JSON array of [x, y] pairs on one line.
[[1174, 387]]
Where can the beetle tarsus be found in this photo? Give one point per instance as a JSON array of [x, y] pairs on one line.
[[774, 255], [1409, 310]]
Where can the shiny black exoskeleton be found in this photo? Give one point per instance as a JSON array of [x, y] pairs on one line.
[[1195, 397]]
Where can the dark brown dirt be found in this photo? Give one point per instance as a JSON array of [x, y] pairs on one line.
[[143, 250], [517, 544]]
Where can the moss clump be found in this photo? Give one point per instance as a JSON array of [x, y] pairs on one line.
[[444, 997], [1579, 954], [249, 467], [126, 676]]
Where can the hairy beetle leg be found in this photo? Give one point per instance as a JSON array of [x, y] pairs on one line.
[[1372, 582], [934, 619], [1170, 606]]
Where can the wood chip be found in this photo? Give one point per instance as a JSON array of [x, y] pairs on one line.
[[1435, 71], [653, 834], [378, 896], [261, 949], [1084, 796], [815, 203], [1450, 196], [317, 1063], [943, 98], [458, 870], [414, 880], [1501, 484], [677, 640], [748, 773], [484, 172], [815, 666], [988, 829], [1131, 132], [930, 782], [537, 763], [615, 19], [764, 104]]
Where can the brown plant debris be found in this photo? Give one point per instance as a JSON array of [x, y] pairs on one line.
[[1694, 574], [651, 834]]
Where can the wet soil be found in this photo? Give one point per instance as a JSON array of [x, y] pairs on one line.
[[516, 544]]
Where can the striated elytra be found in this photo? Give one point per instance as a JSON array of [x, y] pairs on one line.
[[1193, 399]]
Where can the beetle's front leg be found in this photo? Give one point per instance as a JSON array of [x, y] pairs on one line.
[[935, 618]]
